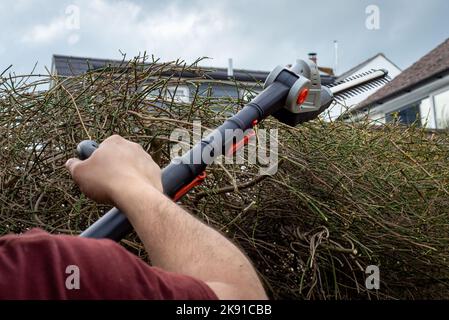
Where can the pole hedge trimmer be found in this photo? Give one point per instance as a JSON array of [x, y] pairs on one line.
[[292, 95]]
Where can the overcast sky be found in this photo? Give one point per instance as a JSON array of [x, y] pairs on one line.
[[257, 34]]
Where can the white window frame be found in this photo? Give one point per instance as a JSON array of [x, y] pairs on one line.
[[432, 103], [178, 93]]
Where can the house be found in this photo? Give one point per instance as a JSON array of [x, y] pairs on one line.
[[70, 66], [419, 95], [379, 61], [224, 84]]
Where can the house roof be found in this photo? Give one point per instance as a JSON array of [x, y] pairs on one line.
[[362, 64], [433, 65], [73, 66]]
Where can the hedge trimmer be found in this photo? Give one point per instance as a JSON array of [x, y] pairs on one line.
[[292, 95]]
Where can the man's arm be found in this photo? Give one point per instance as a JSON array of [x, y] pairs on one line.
[[123, 174]]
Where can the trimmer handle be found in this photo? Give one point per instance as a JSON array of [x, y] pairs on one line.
[[113, 224], [85, 149]]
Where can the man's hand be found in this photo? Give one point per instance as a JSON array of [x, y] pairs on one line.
[[121, 173], [116, 165]]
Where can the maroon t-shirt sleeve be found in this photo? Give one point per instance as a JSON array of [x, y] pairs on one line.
[[37, 265]]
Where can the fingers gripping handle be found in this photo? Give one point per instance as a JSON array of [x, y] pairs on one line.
[[114, 224], [86, 148]]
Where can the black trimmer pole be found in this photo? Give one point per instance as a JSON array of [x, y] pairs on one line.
[[286, 91]]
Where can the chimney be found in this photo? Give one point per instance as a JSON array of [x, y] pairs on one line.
[[313, 57], [230, 68]]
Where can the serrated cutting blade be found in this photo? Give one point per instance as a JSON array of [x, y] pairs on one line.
[[359, 84]]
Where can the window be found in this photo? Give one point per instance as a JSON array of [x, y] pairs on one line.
[[441, 102], [408, 115], [218, 90], [431, 112], [427, 114], [177, 94]]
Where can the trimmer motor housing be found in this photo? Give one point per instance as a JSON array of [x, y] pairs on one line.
[[307, 98]]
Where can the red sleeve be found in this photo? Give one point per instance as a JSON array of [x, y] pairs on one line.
[[37, 265]]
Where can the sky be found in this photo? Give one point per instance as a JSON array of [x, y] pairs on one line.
[[257, 34]]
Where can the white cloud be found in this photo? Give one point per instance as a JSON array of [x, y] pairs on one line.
[[45, 33], [169, 33], [257, 34], [73, 39]]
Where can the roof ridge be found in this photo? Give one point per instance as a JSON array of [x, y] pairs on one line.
[[366, 61], [127, 60]]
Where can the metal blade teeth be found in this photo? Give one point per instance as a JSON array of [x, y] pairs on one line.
[[354, 77], [359, 89]]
